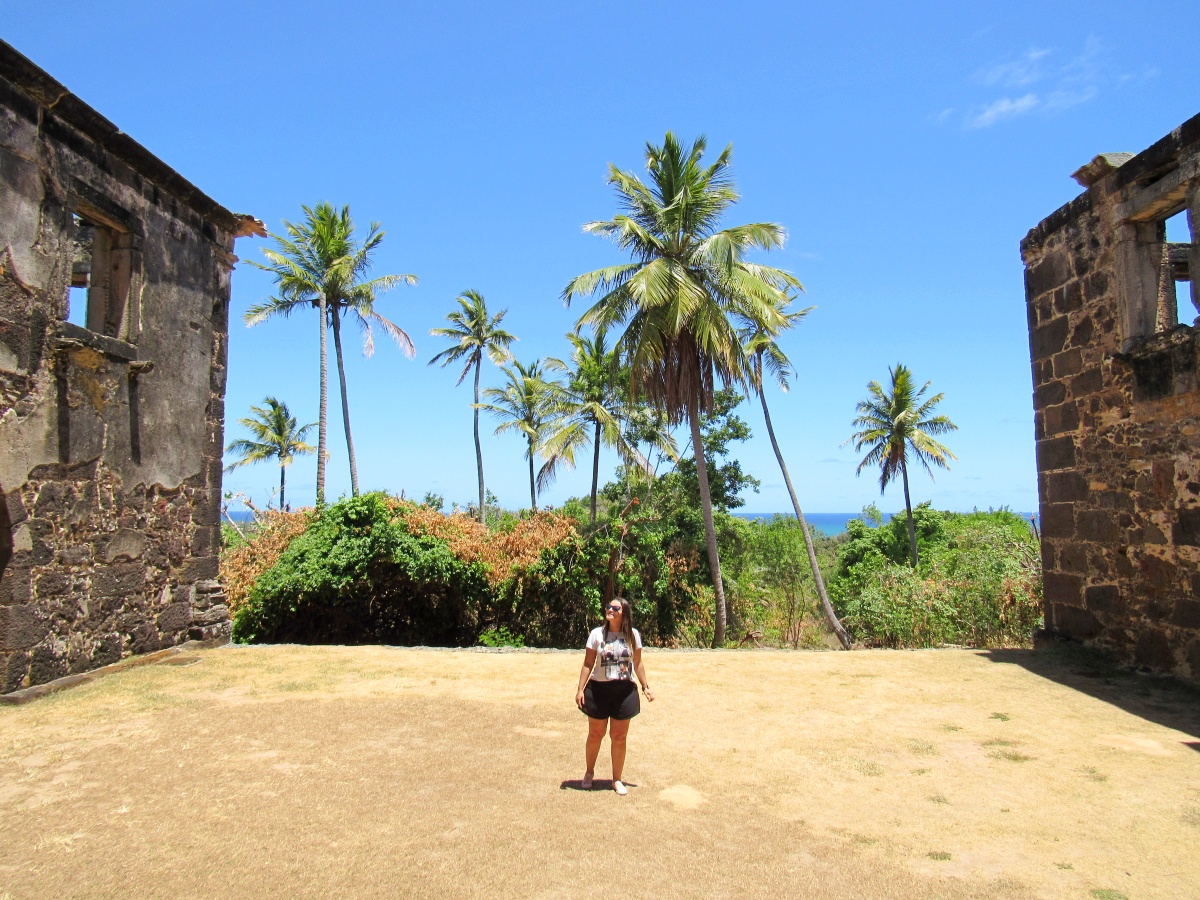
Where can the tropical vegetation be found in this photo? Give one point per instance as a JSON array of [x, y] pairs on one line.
[[474, 334], [673, 342], [766, 355], [684, 294], [594, 409], [274, 435], [320, 264], [526, 404], [978, 582], [897, 427]]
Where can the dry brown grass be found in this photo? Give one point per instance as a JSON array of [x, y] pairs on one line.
[[320, 771]]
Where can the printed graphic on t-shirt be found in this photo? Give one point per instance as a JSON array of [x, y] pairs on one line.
[[616, 659]]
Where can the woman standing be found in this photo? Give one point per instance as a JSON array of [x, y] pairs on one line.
[[606, 691]]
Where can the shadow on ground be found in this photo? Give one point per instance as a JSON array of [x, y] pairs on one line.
[[599, 784], [1160, 699]]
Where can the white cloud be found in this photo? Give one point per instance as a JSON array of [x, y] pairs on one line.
[[1025, 70], [1065, 99], [1062, 85], [1004, 108]]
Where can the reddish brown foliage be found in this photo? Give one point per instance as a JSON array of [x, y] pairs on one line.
[[504, 553], [241, 566]]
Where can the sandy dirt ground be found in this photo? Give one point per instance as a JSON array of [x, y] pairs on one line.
[[371, 771]]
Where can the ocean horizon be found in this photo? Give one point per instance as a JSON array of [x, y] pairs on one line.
[[832, 524], [829, 524]]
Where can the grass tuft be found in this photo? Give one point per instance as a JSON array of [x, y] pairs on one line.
[[866, 767], [1003, 717], [940, 855], [1011, 756]]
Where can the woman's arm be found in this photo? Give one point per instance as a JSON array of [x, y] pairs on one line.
[[641, 674], [589, 662]]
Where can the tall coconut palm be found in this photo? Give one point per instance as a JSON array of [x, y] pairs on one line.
[[321, 264], [474, 334], [684, 294], [525, 404], [766, 354], [274, 436], [593, 405], [896, 427]]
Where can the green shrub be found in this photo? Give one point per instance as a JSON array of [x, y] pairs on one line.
[[500, 637], [357, 575], [376, 570], [978, 582], [230, 537], [773, 593]]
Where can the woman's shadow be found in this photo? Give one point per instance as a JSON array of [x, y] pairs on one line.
[[598, 784]]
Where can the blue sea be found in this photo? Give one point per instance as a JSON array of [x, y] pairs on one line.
[[829, 524]]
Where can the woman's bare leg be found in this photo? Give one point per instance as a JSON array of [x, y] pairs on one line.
[[596, 729], [616, 739]]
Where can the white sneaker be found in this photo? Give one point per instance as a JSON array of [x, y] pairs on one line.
[[619, 787], [586, 784]]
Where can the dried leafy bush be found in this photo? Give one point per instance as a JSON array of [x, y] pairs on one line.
[[241, 565], [503, 553]]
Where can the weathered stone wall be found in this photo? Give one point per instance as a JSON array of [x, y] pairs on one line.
[[1117, 408], [110, 435]]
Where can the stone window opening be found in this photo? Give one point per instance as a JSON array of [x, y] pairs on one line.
[[105, 277], [1176, 288], [1157, 254], [1158, 250]]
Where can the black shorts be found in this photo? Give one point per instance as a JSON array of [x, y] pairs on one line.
[[611, 700]]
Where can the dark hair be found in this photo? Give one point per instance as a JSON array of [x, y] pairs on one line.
[[626, 620]]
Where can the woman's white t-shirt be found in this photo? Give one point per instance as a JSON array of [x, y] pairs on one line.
[[614, 658]]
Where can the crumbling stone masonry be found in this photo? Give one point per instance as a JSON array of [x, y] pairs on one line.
[[1116, 373], [111, 430]]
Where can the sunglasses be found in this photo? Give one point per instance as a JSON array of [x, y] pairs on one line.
[[614, 607]]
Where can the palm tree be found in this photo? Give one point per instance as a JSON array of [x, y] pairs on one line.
[[895, 423], [320, 263], [683, 295], [275, 436], [593, 407], [474, 333], [525, 404], [764, 352]]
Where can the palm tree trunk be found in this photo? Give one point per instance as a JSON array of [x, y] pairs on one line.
[[912, 529], [282, 482], [830, 615], [322, 417], [595, 469], [710, 531], [337, 349], [478, 449], [532, 480]]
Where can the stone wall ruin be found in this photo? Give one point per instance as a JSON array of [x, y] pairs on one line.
[[111, 428], [1115, 347]]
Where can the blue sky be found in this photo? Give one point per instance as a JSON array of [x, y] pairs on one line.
[[907, 148]]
